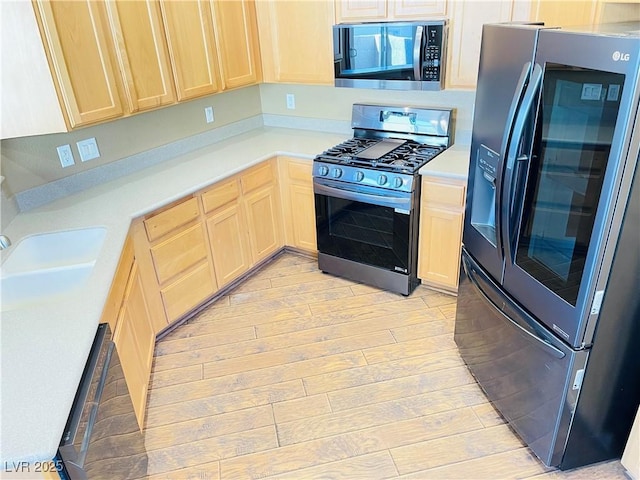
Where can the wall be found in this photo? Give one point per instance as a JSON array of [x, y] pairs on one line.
[[331, 103], [29, 162], [32, 168]]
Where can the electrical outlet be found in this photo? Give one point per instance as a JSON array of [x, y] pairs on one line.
[[291, 101], [88, 149], [208, 113], [65, 155]]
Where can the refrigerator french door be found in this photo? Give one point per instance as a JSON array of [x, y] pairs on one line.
[[553, 159]]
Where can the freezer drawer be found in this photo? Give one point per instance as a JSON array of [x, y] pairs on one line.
[[530, 376]]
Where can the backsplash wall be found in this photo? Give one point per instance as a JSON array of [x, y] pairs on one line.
[[30, 162], [331, 103]]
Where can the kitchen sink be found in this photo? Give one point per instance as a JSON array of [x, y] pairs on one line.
[[46, 266], [24, 289]]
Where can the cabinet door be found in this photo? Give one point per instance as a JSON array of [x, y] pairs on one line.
[[298, 203], [296, 41], [84, 75], [465, 34], [416, 9], [264, 222], [229, 243], [189, 30], [440, 235], [141, 51], [563, 13], [303, 217], [439, 259], [237, 36], [134, 338], [631, 456], [350, 10]]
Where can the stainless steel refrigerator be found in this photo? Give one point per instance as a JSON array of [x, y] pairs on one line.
[[548, 309]]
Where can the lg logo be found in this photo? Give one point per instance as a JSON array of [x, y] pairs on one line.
[[620, 57]]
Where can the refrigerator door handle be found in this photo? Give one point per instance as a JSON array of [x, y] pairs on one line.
[[512, 159], [528, 329], [515, 103], [506, 139]]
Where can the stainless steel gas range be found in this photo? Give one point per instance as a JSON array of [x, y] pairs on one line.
[[367, 194]]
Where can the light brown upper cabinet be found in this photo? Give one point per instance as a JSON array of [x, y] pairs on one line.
[[77, 47], [236, 31], [296, 41], [141, 53], [560, 13], [368, 10], [74, 63], [192, 48], [563, 13], [465, 34]]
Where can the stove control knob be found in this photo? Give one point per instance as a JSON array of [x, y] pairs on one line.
[[397, 182], [323, 170], [337, 172], [382, 179], [359, 176]]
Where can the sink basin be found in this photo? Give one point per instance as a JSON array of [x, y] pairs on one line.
[[46, 266], [55, 249], [23, 289]]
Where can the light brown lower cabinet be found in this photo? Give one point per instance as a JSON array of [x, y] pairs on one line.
[[261, 204], [135, 340], [631, 455], [226, 229], [171, 247], [128, 315], [441, 222], [298, 204], [264, 222]]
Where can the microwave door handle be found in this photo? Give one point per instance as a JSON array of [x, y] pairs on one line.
[[507, 193], [417, 48]]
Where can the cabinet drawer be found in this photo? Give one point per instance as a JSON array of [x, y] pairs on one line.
[[299, 172], [179, 253], [221, 194], [162, 223], [442, 194], [258, 176], [188, 292]]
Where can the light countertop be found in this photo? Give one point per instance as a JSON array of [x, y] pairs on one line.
[[452, 163], [44, 348]]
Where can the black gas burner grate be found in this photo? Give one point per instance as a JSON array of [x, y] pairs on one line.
[[408, 157]]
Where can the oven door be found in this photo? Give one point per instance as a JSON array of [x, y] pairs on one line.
[[364, 224]]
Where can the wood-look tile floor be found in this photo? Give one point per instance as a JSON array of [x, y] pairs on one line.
[[298, 374]]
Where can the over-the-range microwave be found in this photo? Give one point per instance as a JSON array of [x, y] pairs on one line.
[[390, 55]]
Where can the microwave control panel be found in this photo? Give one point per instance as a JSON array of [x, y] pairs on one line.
[[433, 53]]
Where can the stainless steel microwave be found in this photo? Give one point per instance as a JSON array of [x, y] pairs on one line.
[[390, 55]]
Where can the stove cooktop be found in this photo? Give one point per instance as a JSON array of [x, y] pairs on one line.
[[388, 154]]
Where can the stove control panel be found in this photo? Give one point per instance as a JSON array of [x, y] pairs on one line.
[[401, 182]]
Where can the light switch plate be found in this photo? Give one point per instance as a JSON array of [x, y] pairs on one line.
[[65, 155], [88, 149]]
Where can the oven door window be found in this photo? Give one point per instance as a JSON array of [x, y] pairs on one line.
[[363, 232]]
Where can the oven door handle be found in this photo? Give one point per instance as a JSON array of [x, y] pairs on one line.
[[403, 204]]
